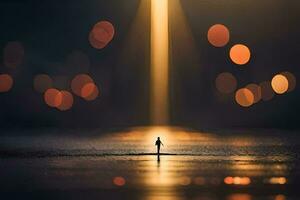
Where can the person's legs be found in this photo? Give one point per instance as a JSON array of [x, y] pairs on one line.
[[158, 149]]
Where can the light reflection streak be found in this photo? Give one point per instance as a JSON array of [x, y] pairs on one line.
[[239, 197], [237, 180], [277, 180]]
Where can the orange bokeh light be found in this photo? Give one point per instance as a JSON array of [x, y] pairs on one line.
[[42, 82], [53, 97], [241, 180], [218, 35], [244, 97], [280, 84], [79, 81], [226, 83], [292, 80], [240, 54], [256, 91], [280, 197], [66, 102], [87, 90], [103, 31], [95, 43], [228, 180], [267, 92], [13, 54], [6, 82], [101, 34], [95, 92], [119, 181]]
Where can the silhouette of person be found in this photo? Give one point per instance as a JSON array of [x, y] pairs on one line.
[[158, 143]]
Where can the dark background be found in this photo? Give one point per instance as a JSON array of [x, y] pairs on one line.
[[51, 30]]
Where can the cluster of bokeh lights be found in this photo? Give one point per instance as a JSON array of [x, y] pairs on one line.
[[81, 85], [13, 56], [253, 93], [102, 33], [240, 54]]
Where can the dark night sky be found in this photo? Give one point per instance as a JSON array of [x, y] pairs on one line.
[[51, 30]]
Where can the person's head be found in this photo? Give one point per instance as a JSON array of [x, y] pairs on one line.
[[158, 138]]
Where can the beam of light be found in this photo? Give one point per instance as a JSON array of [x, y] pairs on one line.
[[159, 105]]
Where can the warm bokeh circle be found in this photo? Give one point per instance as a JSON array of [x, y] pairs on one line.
[[6, 82], [101, 34], [280, 84], [119, 181], [53, 97], [78, 82], [67, 101], [226, 83], [256, 91], [240, 54], [244, 97], [90, 92], [218, 35]]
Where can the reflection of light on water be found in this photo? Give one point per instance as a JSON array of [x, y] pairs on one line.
[[237, 180], [246, 165], [239, 197], [161, 180], [280, 197], [276, 180], [159, 174], [201, 162], [166, 195]]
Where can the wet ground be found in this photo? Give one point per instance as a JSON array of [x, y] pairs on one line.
[[231, 165]]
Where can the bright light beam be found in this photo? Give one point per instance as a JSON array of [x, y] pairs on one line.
[[159, 96]]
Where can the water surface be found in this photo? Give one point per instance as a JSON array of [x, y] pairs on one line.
[[232, 165]]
